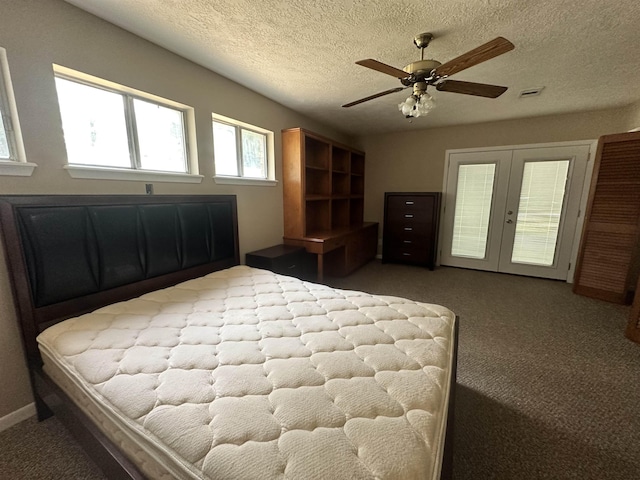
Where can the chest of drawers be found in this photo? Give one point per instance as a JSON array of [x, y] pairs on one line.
[[410, 232]]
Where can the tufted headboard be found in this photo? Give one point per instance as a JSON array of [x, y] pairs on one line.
[[68, 255]]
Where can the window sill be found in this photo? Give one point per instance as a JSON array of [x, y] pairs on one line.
[[245, 181], [17, 169], [105, 173]]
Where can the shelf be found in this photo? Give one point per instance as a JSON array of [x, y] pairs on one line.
[[313, 167], [315, 198]]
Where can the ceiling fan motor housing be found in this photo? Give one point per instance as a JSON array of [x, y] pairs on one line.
[[422, 68]]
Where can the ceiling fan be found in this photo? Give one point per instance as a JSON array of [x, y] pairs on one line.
[[424, 73]]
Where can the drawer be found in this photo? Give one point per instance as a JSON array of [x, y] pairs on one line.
[[289, 265], [333, 243], [408, 254], [408, 227], [411, 242], [409, 204]]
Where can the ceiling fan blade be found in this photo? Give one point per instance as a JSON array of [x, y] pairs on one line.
[[383, 67], [485, 52], [381, 94], [471, 88]]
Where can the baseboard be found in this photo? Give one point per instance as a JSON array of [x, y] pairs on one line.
[[17, 416]]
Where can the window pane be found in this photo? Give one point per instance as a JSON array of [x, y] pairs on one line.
[[254, 154], [541, 199], [4, 142], [473, 209], [95, 130], [224, 149], [160, 137]]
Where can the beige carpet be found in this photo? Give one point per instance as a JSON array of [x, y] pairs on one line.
[[548, 387]]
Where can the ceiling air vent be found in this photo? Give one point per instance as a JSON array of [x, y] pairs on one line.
[[530, 92]]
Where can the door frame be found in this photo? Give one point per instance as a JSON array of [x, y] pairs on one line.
[[448, 197]]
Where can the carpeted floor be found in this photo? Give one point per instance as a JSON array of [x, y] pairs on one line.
[[548, 387]]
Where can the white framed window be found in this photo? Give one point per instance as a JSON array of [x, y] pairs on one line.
[[12, 157], [243, 153], [109, 127]]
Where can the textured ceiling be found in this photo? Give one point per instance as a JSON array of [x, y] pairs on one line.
[[301, 53]]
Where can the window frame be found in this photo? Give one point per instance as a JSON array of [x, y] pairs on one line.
[[134, 171], [16, 164], [240, 179]]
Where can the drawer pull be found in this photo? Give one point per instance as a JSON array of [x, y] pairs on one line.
[[408, 215], [291, 267], [408, 229], [406, 241], [406, 254], [408, 203]]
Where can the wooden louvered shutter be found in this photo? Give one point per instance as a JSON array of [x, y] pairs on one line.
[[611, 229]]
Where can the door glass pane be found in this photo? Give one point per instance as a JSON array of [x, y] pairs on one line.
[[160, 137], [93, 121], [473, 208], [539, 212], [224, 149]]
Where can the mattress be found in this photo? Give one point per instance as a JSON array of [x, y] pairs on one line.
[[248, 374]]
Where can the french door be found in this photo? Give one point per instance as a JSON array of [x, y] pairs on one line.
[[513, 211]]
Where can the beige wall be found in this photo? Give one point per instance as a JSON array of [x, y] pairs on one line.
[[634, 116], [414, 161], [37, 33]]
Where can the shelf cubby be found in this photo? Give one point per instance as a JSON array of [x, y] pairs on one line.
[[340, 160], [340, 213], [357, 185], [340, 183], [317, 182], [318, 215], [316, 153], [356, 211], [357, 164]]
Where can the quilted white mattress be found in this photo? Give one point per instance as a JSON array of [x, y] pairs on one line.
[[246, 374]]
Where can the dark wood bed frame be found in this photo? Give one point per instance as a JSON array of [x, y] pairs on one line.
[[71, 254]]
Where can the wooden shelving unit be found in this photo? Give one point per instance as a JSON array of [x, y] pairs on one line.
[[324, 201]]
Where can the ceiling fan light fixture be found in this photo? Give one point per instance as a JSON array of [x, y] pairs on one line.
[[417, 105]]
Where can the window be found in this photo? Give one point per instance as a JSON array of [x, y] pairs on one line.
[[241, 150], [12, 158], [107, 126]]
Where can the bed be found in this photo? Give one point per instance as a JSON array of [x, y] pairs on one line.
[[169, 359]]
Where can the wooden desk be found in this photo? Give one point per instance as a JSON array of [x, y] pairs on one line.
[[340, 251]]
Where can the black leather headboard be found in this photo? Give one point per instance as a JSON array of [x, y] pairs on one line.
[[71, 254]]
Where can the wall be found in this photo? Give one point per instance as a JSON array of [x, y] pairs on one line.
[[415, 160], [634, 116], [37, 33]]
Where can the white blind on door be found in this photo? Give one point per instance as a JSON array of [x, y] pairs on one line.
[[473, 209], [539, 212]]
